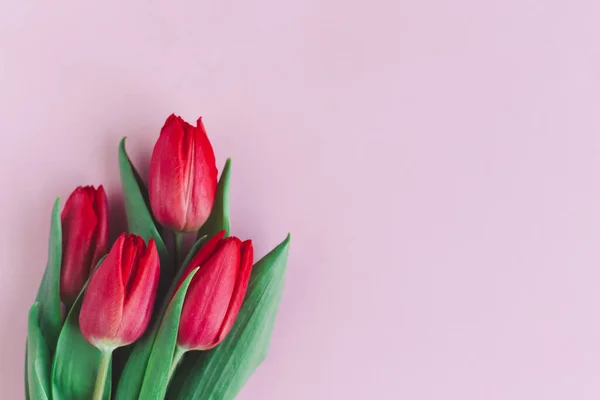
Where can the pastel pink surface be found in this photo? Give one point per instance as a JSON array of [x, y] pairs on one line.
[[437, 162]]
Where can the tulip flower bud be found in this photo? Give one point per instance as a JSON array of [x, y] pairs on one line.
[[183, 176], [216, 292], [85, 238], [119, 298]]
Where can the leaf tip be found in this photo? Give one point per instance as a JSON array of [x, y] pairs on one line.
[[189, 278], [122, 149], [226, 171], [33, 311], [286, 242]]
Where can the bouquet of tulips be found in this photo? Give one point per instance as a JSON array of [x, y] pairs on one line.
[[142, 318]]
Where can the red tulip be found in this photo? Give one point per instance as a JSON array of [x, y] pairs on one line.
[[119, 299], [183, 176], [85, 238], [216, 292]]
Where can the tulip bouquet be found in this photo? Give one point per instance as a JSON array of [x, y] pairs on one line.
[[142, 318]]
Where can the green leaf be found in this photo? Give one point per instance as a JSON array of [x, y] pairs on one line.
[[130, 383], [48, 296], [139, 217], [219, 216], [38, 359], [220, 373], [158, 370], [76, 362], [27, 397]]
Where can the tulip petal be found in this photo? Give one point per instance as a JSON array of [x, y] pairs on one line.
[[101, 206], [187, 156], [139, 301], [204, 175], [209, 296], [102, 308], [132, 251], [167, 168], [246, 259]]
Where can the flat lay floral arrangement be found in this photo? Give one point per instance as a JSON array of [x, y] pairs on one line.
[[142, 318]]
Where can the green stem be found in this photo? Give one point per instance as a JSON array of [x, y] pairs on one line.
[[178, 249], [179, 352], [102, 373]]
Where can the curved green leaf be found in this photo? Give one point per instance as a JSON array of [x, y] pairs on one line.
[[219, 216], [38, 359], [76, 361], [130, 383], [48, 296], [27, 397], [139, 216], [220, 373], [156, 378]]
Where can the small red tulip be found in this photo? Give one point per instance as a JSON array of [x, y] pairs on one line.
[[119, 298], [183, 176], [85, 238], [216, 292]]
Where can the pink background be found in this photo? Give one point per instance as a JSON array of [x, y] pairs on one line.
[[437, 162]]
